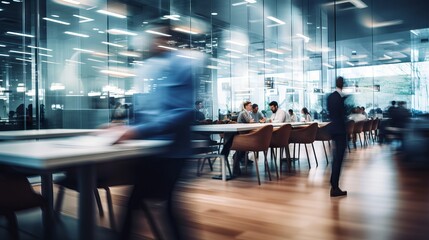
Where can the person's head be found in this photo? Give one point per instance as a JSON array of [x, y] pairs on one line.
[[255, 108], [363, 109], [199, 105], [247, 105], [273, 106], [290, 112], [393, 103], [304, 111], [339, 82]]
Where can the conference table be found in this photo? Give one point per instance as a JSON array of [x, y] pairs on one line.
[[47, 156], [230, 130], [43, 133]]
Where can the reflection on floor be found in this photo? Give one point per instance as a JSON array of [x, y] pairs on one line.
[[388, 199]]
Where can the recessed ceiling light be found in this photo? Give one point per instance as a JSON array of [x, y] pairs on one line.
[[214, 13]]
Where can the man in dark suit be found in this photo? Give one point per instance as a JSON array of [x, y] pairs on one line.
[[337, 129]]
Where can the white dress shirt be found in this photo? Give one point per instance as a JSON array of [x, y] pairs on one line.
[[280, 116]]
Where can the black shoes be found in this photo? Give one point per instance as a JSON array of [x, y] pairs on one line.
[[337, 192]]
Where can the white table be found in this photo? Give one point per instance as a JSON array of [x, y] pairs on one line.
[[43, 133], [47, 156], [239, 127]]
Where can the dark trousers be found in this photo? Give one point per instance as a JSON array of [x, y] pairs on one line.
[[339, 150], [154, 179]]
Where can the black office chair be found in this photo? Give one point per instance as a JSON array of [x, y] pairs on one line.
[[17, 195]]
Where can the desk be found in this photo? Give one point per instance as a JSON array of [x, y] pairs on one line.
[[43, 133], [47, 156]]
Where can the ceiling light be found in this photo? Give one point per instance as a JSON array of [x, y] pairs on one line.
[[184, 30], [45, 55], [214, 13], [120, 32], [113, 44], [71, 1], [1, 45], [276, 20], [158, 33], [56, 21], [185, 56], [386, 23], [236, 43], [46, 49], [19, 52], [83, 50], [5, 2], [239, 3], [232, 50], [95, 60], [20, 34], [76, 34], [274, 51], [117, 73], [4, 55], [170, 48], [111, 14], [351, 64], [84, 19]]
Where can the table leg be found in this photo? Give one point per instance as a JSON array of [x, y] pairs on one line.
[[86, 185], [48, 212]]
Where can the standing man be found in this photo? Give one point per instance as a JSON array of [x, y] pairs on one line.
[[256, 115], [278, 115], [336, 111]]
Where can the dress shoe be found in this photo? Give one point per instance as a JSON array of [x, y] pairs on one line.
[[337, 192]]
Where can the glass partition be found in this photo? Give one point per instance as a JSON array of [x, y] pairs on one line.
[[70, 64]]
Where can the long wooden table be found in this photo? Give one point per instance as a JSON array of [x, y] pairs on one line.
[[47, 156]]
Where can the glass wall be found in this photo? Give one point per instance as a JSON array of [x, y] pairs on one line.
[[70, 64]]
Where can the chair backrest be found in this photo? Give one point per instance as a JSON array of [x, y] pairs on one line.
[[323, 133], [375, 124], [304, 135], [367, 125], [350, 125], [280, 136], [258, 140], [358, 127]]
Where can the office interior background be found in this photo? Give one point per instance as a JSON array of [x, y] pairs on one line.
[[67, 63]]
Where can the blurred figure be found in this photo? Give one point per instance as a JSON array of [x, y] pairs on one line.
[[118, 114], [167, 115], [256, 115], [199, 116], [356, 115], [306, 117], [244, 116], [292, 116], [278, 116], [336, 110], [391, 109], [364, 113]]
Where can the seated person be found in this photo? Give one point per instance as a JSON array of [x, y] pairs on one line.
[[292, 116], [306, 117], [244, 116], [256, 115]]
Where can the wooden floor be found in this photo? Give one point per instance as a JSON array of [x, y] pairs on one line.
[[387, 199]]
